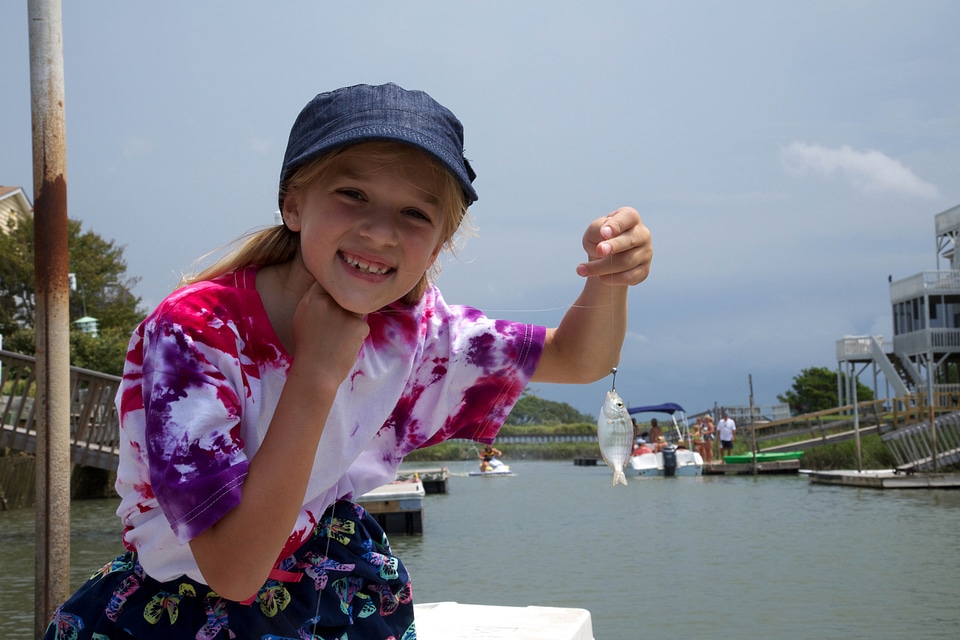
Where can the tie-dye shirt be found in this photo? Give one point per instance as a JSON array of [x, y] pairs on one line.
[[204, 374]]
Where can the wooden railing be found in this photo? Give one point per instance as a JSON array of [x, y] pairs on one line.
[[883, 417], [94, 426], [814, 429]]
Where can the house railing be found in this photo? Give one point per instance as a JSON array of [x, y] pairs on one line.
[[943, 281]]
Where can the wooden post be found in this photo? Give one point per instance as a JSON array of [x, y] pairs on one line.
[[856, 414], [753, 428], [933, 418]]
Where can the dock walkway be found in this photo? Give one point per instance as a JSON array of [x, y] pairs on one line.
[[773, 467], [885, 479]]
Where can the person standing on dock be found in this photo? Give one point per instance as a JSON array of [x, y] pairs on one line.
[[272, 389], [709, 433], [727, 430]]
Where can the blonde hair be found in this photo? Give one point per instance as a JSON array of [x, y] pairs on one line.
[[278, 244]]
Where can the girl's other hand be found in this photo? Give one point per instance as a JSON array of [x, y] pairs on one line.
[[619, 248]]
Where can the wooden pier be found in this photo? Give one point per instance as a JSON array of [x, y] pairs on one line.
[[773, 467], [94, 424], [586, 462]]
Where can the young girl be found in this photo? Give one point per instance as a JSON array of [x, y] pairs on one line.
[[294, 375], [709, 435]]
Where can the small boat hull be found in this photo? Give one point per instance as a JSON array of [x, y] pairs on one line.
[[688, 463]]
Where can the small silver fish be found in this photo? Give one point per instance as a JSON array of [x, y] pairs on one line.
[[615, 435]]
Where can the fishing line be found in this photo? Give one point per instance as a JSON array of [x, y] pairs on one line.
[[613, 328], [327, 531], [613, 370]]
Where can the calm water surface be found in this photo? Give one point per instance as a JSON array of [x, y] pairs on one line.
[[737, 557]]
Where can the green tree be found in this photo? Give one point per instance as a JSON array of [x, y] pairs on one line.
[[104, 291], [815, 389], [16, 278], [534, 410]]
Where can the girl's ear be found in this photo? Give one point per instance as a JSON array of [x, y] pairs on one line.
[[436, 252], [291, 211]]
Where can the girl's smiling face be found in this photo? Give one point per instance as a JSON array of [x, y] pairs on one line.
[[369, 229]]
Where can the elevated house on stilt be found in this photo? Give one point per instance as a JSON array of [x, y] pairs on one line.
[[921, 366]]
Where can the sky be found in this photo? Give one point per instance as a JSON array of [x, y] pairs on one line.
[[787, 157]]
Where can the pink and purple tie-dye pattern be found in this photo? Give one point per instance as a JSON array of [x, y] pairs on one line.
[[204, 374]]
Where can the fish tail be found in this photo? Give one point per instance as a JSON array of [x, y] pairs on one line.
[[619, 477]]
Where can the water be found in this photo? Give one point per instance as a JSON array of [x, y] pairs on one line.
[[713, 556], [94, 539]]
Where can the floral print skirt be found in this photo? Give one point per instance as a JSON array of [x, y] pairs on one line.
[[344, 583]]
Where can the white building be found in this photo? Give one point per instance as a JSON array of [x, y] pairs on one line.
[[14, 206]]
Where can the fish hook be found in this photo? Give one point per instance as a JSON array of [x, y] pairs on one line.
[[613, 385]]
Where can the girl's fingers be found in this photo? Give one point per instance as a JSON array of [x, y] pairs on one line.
[[619, 248]]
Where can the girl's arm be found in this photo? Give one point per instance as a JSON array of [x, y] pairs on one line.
[[236, 554], [587, 343]]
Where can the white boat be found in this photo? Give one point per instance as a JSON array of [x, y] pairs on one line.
[[497, 469], [672, 460]]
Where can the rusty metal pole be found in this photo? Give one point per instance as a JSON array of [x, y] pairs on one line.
[[52, 311]]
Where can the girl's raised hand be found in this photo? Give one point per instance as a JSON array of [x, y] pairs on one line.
[[619, 248], [327, 336]]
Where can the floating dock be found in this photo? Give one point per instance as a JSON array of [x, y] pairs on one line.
[[747, 468], [397, 506], [455, 621], [885, 479], [586, 462], [434, 480]]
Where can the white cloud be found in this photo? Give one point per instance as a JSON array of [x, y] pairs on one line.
[[869, 171], [133, 146]]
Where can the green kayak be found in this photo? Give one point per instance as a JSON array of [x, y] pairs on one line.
[[763, 457]]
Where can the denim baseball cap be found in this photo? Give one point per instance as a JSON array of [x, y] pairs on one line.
[[365, 113]]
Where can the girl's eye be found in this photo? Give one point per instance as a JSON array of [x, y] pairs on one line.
[[417, 214], [352, 194]]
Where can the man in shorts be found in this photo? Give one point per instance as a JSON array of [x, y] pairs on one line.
[[727, 429]]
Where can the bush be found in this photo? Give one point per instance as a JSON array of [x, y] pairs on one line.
[[843, 455], [576, 428]]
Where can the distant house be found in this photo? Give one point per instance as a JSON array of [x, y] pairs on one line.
[[925, 352], [14, 206]]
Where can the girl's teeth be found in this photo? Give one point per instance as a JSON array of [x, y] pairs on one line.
[[363, 266]]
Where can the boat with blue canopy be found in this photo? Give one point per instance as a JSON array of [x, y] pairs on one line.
[[666, 458]]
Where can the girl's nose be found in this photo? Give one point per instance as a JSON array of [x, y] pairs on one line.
[[380, 228]]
